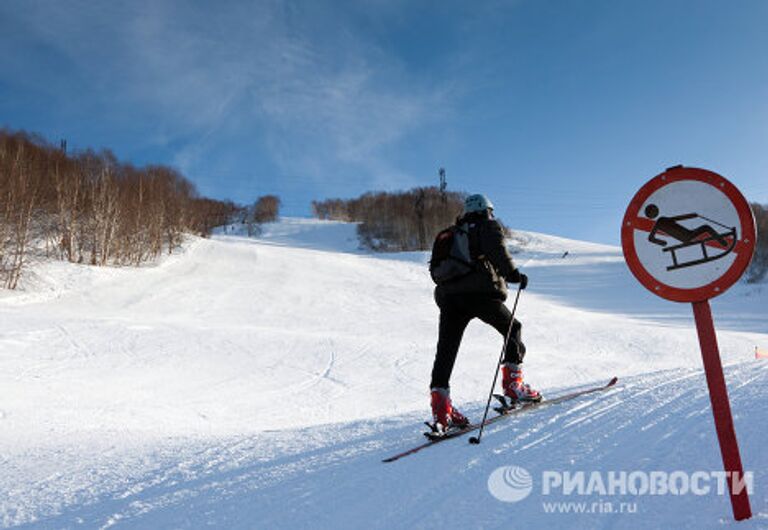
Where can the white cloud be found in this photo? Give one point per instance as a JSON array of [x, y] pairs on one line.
[[322, 95]]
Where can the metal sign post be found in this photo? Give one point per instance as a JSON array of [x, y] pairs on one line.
[[687, 236]]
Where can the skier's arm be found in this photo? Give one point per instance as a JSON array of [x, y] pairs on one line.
[[496, 251]]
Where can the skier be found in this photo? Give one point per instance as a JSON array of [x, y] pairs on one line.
[[478, 294]]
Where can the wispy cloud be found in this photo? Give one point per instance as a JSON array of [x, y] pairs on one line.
[[316, 93]]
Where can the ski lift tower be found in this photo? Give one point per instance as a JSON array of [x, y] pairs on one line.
[[443, 184]]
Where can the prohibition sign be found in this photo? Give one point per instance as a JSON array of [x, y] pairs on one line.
[[687, 236]]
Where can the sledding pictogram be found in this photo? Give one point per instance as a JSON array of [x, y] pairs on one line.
[[688, 234], [703, 236]]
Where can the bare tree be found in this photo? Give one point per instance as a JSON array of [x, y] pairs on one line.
[[90, 207], [407, 220], [266, 209]]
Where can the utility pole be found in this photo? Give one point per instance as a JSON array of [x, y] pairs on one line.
[[63, 145], [420, 216], [443, 184]]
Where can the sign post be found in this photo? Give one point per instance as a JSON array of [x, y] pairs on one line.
[[687, 236]]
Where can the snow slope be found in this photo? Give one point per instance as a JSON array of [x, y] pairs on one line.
[[258, 382]]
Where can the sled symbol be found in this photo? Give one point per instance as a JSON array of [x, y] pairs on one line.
[[724, 241], [706, 257]]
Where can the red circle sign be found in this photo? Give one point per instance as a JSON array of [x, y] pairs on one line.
[[688, 234]]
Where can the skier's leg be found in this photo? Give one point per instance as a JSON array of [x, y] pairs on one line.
[[515, 355], [495, 313], [453, 322]]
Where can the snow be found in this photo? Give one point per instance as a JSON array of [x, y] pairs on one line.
[[258, 383]]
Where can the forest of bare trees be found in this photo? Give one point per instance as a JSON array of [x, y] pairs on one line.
[[88, 207], [758, 269], [407, 220]]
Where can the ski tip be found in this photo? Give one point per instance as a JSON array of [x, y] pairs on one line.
[[612, 381]]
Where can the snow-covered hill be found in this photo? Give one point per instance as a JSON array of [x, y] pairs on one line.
[[258, 382]]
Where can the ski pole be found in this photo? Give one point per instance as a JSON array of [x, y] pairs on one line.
[[476, 439]]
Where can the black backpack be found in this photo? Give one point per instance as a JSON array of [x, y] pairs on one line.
[[451, 258]]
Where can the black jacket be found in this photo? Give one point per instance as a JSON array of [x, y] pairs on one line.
[[493, 263]]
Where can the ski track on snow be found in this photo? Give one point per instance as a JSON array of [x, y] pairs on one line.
[[258, 383], [264, 478]]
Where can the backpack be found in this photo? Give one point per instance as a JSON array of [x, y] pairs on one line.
[[451, 258]]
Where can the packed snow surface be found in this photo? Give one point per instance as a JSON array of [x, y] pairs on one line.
[[259, 382]]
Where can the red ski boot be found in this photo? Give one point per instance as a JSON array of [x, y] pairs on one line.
[[443, 412], [514, 388]]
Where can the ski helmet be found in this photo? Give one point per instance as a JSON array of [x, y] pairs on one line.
[[477, 203]]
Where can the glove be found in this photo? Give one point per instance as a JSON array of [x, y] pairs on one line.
[[523, 281]]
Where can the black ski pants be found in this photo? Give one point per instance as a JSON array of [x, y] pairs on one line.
[[456, 311]]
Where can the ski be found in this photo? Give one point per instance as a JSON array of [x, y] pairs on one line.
[[503, 413]]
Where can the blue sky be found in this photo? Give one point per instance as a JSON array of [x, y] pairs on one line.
[[558, 110]]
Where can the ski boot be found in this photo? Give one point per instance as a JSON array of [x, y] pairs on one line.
[[515, 391], [446, 417]]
